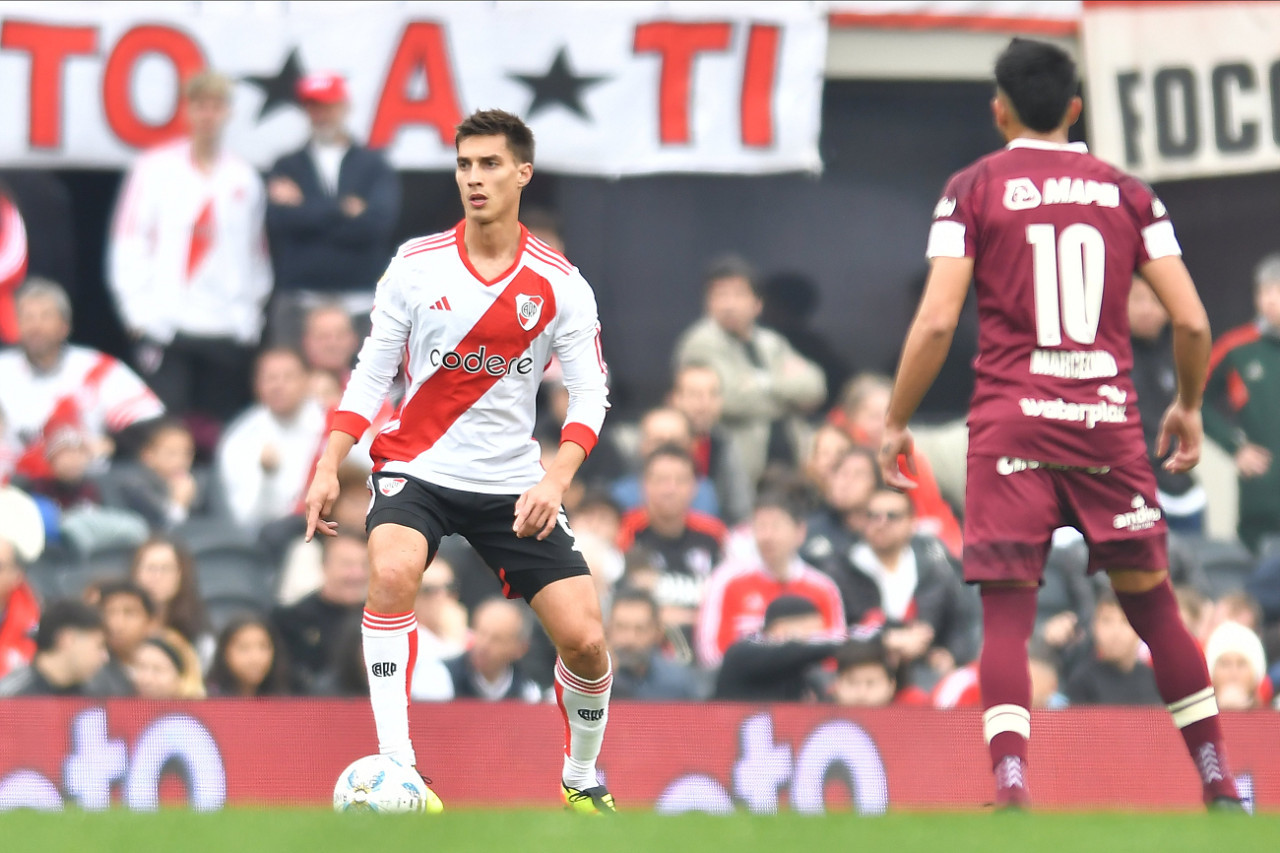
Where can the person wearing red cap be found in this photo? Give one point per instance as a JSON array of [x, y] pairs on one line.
[[332, 207]]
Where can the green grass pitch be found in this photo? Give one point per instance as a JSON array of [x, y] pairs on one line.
[[282, 831]]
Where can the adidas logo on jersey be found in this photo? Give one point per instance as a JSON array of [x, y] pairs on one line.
[[391, 486], [441, 304]]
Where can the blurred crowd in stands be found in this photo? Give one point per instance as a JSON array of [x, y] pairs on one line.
[[151, 536]]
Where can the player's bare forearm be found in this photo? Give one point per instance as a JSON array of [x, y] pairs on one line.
[[1191, 348], [923, 355], [539, 507], [1192, 339], [335, 450], [323, 489], [564, 467], [929, 339]]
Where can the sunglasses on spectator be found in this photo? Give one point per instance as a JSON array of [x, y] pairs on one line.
[[433, 588], [886, 516]]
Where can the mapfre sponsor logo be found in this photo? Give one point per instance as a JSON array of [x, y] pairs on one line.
[[1089, 414], [480, 361], [1081, 191], [1141, 517], [1021, 194]]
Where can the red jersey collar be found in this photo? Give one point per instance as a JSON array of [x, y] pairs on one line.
[[460, 231]]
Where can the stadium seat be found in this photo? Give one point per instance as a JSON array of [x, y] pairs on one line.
[[1227, 564], [199, 534], [44, 575], [221, 609], [1269, 546], [237, 570], [112, 562]]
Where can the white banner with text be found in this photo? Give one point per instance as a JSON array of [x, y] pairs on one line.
[[1184, 90], [608, 88]]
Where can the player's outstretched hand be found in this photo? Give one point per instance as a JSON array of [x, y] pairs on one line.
[[537, 510], [1184, 425], [897, 444], [321, 494]]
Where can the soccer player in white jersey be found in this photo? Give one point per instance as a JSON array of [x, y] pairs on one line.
[[478, 311]]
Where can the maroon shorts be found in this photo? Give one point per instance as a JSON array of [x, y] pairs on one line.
[[1012, 507]]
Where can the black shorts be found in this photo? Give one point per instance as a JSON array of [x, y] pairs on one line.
[[524, 566]]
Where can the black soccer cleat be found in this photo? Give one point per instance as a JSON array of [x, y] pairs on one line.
[[595, 800]]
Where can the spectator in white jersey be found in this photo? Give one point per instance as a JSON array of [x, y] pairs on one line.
[[476, 313], [188, 265], [46, 380], [266, 454]]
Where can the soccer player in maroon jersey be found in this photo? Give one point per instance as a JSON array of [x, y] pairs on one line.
[[475, 315], [1050, 237]]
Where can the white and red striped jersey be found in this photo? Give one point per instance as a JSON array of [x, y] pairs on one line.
[[89, 389], [188, 248], [476, 351], [737, 593]]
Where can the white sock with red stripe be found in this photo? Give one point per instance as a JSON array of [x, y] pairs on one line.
[[584, 704], [390, 652]]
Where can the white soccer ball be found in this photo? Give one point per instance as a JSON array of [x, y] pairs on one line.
[[379, 783]]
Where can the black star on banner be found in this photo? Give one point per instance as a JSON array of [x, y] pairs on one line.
[[282, 89], [558, 86]]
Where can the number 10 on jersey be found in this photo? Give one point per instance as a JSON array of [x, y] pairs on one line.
[[1068, 272]]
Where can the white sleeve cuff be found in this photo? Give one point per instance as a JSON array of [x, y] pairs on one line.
[[946, 240], [1160, 241]]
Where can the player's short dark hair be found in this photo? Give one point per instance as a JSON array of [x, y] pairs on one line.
[[1039, 80], [670, 451], [271, 352], [890, 490], [631, 595], [66, 614], [858, 451], [357, 536], [788, 607], [856, 653], [782, 499], [111, 589], [731, 266], [160, 427], [498, 123], [170, 651]]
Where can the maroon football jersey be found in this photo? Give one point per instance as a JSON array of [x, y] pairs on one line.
[[1055, 235]]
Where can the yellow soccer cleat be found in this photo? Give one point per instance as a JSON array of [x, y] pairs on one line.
[[595, 800]]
